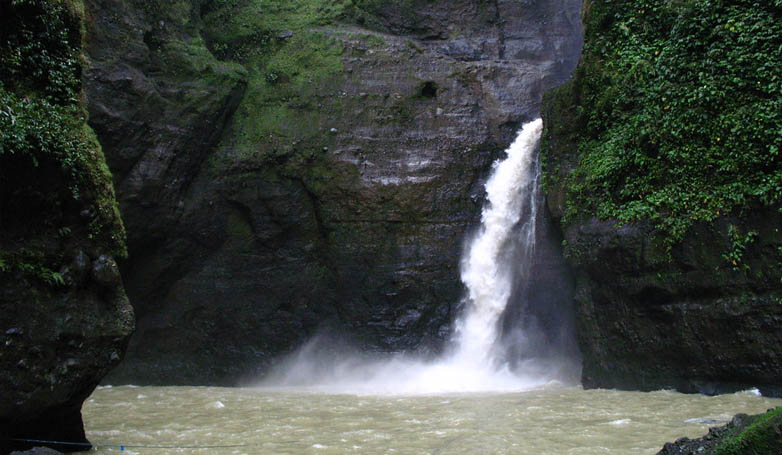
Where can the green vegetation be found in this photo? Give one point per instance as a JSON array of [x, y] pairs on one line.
[[51, 165], [290, 58], [738, 245], [277, 111], [29, 264], [679, 112], [39, 49], [762, 437], [242, 30], [37, 131]]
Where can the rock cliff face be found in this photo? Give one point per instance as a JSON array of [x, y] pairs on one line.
[[695, 309], [284, 169], [693, 323], [64, 317]]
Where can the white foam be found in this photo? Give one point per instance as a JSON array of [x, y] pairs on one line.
[[486, 275], [619, 422]]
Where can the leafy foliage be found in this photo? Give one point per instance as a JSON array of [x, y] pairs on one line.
[[31, 265], [739, 244], [246, 29], [39, 49], [51, 165], [681, 111], [40, 118], [38, 131]]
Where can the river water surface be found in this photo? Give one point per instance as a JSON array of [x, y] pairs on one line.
[[321, 405], [551, 420]]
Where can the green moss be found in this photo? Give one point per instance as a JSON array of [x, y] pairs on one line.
[[676, 112], [241, 30], [373, 40], [762, 437], [282, 121], [51, 164]]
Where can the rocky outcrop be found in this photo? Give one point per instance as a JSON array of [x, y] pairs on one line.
[[690, 321], [695, 309], [286, 171], [64, 317], [758, 435]]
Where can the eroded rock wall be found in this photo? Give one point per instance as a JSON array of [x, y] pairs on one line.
[[288, 169]]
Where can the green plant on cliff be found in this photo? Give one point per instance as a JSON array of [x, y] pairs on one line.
[[37, 131], [290, 58], [32, 265], [679, 116], [39, 49], [241, 30], [51, 164], [762, 437], [738, 244]]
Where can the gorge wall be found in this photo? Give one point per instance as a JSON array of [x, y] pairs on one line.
[[290, 167], [664, 175], [64, 318]]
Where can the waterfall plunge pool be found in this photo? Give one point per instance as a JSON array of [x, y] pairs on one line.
[[367, 408], [551, 420]]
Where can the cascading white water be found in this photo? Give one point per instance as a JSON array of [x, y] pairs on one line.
[[488, 270], [485, 273]]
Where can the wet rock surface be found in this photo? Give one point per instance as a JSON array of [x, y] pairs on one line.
[[702, 315], [687, 319], [60, 346], [349, 216], [694, 323], [105, 271]]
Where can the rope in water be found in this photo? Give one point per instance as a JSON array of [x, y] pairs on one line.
[[131, 446]]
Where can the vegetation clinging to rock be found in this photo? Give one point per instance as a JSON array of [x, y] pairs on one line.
[[51, 165], [762, 437], [679, 112]]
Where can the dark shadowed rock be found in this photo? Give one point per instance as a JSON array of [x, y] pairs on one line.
[[264, 201], [80, 266], [105, 271], [62, 328]]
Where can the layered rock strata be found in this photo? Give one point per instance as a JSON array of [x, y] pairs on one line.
[[288, 170]]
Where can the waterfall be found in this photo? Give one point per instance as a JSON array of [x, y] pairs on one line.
[[486, 271], [490, 266]]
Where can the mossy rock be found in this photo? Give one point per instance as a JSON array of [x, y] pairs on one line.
[[64, 316], [762, 437], [56, 186], [673, 115]]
